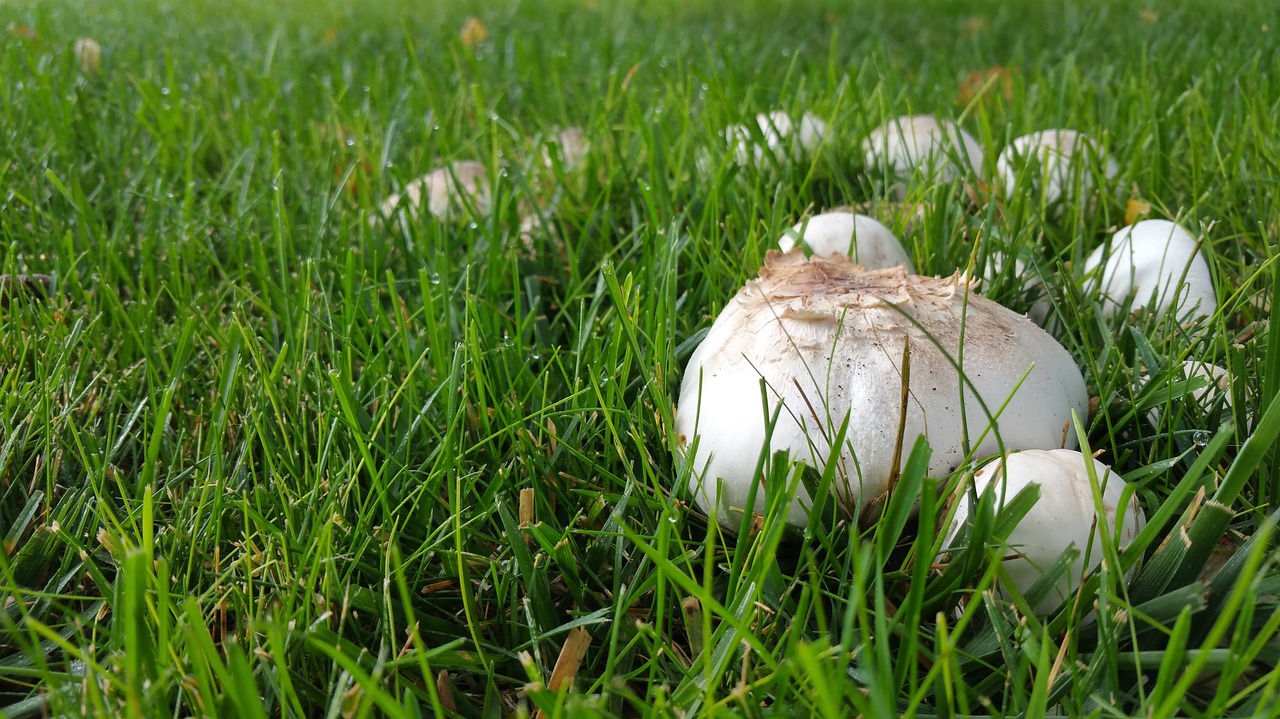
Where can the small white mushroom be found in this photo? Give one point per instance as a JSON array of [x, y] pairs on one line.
[[571, 145], [783, 141], [1062, 162], [859, 237], [1033, 289], [1219, 386], [89, 53], [1157, 264], [446, 191], [935, 149], [829, 339], [1064, 516]]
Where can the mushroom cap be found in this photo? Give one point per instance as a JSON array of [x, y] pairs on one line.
[[1032, 287], [1159, 263], [1063, 515], [863, 239], [572, 145], [828, 338], [924, 144], [446, 191], [782, 139], [1219, 385], [1060, 154]]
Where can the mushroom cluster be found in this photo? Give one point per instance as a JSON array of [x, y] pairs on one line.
[[839, 356]]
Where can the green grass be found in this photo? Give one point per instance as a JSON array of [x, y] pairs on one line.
[[260, 455]]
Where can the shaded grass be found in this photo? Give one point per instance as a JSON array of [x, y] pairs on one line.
[[260, 455]]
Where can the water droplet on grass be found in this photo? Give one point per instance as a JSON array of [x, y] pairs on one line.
[[164, 91], [1200, 437]]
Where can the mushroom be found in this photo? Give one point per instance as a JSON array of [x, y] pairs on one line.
[[1159, 264], [34, 287], [782, 139], [446, 190], [570, 144], [89, 53], [1033, 289], [1054, 158], [936, 149], [861, 238], [1218, 381], [832, 341], [1063, 516]]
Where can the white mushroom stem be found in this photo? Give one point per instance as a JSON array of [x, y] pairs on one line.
[[1066, 515], [861, 238], [1156, 264]]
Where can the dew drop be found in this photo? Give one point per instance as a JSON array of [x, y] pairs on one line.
[[164, 91], [351, 142], [1200, 437]]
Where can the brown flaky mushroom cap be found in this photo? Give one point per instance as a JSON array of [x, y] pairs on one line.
[[829, 339]]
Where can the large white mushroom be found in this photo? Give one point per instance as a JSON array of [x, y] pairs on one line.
[[783, 138], [859, 237], [829, 339], [1156, 264], [1062, 162], [935, 149], [1065, 515], [446, 191]]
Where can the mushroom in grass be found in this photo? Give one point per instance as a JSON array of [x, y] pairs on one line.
[[833, 341], [1062, 163], [1063, 516], [861, 238], [1034, 295], [570, 145], [445, 191], [1156, 262], [1217, 388], [783, 139], [936, 149]]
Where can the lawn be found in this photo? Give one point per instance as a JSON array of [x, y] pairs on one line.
[[267, 449]]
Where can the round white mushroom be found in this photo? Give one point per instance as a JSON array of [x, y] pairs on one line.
[[446, 191], [1033, 289], [1156, 264], [935, 149], [859, 237], [1218, 385], [829, 338], [1062, 162], [1064, 516], [782, 139], [572, 148]]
